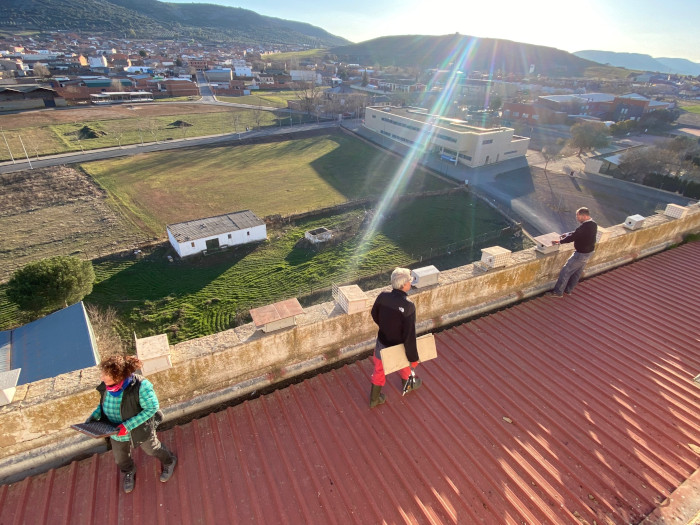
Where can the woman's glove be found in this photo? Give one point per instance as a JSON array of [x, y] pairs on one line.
[[122, 431]]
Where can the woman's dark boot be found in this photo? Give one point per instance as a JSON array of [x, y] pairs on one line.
[[376, 397]]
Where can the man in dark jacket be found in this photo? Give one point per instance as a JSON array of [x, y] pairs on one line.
[[584, 238], [395, 315]]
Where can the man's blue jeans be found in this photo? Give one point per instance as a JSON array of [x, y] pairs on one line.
[[571, 273]]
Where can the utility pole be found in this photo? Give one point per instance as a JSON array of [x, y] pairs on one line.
[[25, 152], [8, 147]]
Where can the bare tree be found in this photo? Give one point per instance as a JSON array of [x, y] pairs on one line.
[[637, 163], [116, 85], [153, 128], [117, 129], [551, 152], [41, 71], [104, 323], [257, 116], [308, 94]]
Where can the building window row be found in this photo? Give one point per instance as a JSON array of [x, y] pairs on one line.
[[446, 137], [487, 141], [463, 156], [510, 152], [397, 123]]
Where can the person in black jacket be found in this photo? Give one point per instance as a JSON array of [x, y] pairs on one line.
[[395, 315], [584, 238], [128, 401]]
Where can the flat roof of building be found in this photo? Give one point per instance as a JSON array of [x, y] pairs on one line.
[[422, 115]]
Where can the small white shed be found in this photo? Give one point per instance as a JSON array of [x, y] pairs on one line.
[[212, 233]]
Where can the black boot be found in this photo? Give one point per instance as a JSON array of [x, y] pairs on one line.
[[376, 397], [128, 482], [417, 382]]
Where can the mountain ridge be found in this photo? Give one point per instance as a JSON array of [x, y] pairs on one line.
[[465, 52], [642, 62], [162, 20]]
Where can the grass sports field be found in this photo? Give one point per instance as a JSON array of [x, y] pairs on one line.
[[272, 99], [46, 133]]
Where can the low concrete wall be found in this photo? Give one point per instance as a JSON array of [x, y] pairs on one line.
[[218, 368]]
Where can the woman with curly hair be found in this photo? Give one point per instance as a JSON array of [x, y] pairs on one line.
[[128, 401]]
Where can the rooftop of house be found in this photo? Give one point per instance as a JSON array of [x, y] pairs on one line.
[[574, 410], [58, 343], [209, 226]]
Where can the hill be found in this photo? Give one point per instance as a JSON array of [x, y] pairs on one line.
[[466, 52], [638, 61], [155, 19]]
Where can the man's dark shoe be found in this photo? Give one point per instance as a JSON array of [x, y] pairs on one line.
[[417, 382], [129, 481], [569, 293], [168, 470], [555, 295]]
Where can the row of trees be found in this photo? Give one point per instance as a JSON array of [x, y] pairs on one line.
[[672, 166]]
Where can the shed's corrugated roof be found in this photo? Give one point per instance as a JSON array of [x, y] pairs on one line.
[[574, 410], [56, 344], [211, 226]]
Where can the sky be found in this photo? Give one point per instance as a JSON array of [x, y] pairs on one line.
[[667, 28]]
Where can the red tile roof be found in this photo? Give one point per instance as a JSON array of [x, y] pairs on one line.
[[572, 410]]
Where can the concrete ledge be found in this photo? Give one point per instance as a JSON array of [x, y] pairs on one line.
[[218, 368]]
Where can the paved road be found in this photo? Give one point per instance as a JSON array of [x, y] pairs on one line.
[[135, 149]]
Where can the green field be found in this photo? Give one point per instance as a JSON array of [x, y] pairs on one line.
[[283, 177], [691, 108], [272, 99], [204, 295], [64, 137]]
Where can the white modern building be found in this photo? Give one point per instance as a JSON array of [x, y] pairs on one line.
[[305, 75], [212, 233], [454, 139]]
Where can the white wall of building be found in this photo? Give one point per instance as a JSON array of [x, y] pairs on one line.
[[194, 246], [472, 145], [304, 75], [242, 71]]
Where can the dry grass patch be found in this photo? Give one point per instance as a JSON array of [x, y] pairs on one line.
[[57, 211]]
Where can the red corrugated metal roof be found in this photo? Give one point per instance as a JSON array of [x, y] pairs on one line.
[[573, 410]]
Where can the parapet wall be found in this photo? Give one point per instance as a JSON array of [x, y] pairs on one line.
[[218, 368]]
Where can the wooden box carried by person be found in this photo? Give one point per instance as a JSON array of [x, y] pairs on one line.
[[394, 357]]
